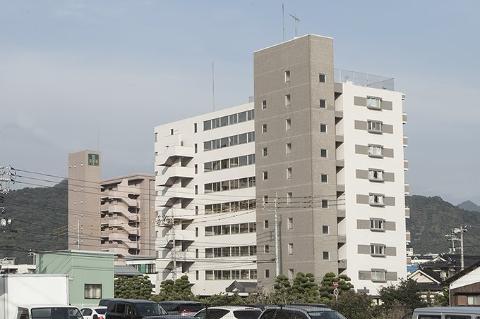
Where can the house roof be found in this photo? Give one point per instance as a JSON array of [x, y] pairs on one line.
[[126, 270], [242, 286], [429, 273], [463, 272]]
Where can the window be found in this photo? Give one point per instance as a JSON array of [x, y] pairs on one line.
[[264, 104], [379, 275], [171, 131], [289, 198], [267, 273], [323, 153], [208, 274], [288, 148], [194, 127], [93, 291], [290, 248], [264, 128], [473, 300], [196, 168], [156, 137], [325, 229], [323, 128], [326, 255], [196, 253], [324, 178], [196, 189], [377, 224], [266, 249], [196, 231], [288, 100], [197, 275], [290, 223], [265, 224], [287, 76], [322, 104], [289, 173], [377, 249], [196, 210], [375, 175], [288, 124], [375, 150], [196, 148], [93, 159], [374, 102], [265, 199], [265, 175], [374, 126], [265, 151], [324, 203], [376, 199], [322, 78]]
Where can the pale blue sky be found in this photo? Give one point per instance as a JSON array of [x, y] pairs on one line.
[[70, 69]]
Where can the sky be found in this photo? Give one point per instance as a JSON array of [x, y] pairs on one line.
[[78, 74]]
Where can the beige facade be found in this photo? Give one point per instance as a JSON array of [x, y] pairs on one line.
[[115, 215], [84, 200], [128, 215]]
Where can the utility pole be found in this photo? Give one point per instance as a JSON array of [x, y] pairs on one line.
[[7, 179], [455, 232], [174, 250], [296, 20], [277, 239]]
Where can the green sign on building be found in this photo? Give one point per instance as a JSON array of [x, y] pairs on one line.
[[93, 159]]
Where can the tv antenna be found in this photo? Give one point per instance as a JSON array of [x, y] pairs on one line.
[[296, 20]]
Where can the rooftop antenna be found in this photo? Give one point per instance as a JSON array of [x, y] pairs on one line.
[[283, 21], [296, 20], [213, 85]]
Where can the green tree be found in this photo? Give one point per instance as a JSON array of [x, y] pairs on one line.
[[304, 288], [354, 305], [282, 290], [327, 285], [180, 289], [442, 299], [137, 287], [404, 295]]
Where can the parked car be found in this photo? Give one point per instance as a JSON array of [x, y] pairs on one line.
[[134, 309], [447, 313], [105, 302], [94, 312], [229, 312], [181, 307], [48, 312], [300, 311]]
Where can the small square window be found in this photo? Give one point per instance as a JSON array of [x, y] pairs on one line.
[[322, 103], [375, 150], [265, 199], [290, 223], [375, 175], [375, 126], [288, 148], [267, 273], [324, 178], [265, 224], [289, 173], [290, 248], [288, 124], [323, 128], [194, 127], [92, 291], [265, 151], [289, 197], [376, 199], [324, 203], [377, 250], [287, 76], [265, 175], [377, 224], [325, 229], [322, 77], [323, 153], [288, 100], [326, 255], [374, 102], [171, 131], [264, 128], [264, 104], [266, 249]]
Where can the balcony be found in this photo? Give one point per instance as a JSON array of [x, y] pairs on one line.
[[171, 173], [177, 213], [342, 240], [185, 235], [118, 195], [364, 79], [404, 118], [407, 212], [121, 209], [172, 153], [408, 237], [405, 165], [177, 191], [342, 264], [407, 189], [405, 141], [340, 213]]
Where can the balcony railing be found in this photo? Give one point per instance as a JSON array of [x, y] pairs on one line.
[[364, 79]]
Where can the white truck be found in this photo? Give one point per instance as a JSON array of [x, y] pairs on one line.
[[20, 294]]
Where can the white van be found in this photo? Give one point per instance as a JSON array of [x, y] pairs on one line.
[[447, 313]]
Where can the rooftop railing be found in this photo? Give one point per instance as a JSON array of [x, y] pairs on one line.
[[364, 79]]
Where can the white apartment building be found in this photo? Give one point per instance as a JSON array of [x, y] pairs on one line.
[[205, 184], [326, 146]]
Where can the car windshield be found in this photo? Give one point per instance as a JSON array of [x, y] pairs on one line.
[[101, 311], [247, 314], [148, 309], [329, 314], [56, 313]]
